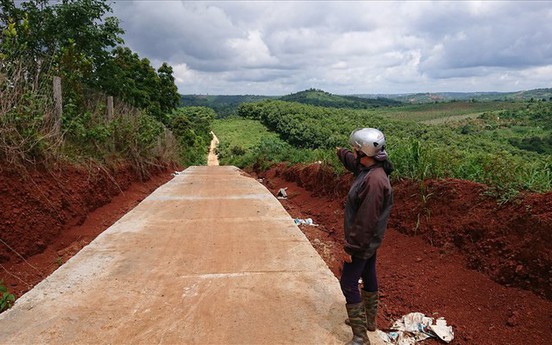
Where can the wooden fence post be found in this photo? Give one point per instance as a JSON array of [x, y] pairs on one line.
[[58, 107], [109, 108]]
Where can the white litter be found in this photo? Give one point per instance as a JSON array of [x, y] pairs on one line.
[[307, 221], [443, 331], [415, 327], [282, 193]]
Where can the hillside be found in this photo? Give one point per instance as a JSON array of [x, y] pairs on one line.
[[226, 105], [223, 105], [326, 99], [431, 97]]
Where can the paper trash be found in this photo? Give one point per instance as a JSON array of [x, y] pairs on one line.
[[415, 327]]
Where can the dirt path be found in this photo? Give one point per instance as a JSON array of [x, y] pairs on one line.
[[209, 258], [213, 158]]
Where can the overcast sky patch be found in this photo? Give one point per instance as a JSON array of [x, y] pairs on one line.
[[281, 47]]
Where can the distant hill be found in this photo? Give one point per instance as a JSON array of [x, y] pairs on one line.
[[536, 94], [326, 99], [427, 97], [227, 105], [222, 105]]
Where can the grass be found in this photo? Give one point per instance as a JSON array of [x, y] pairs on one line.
[[248, 143], [241, 133], [6, 298], [441, 112]]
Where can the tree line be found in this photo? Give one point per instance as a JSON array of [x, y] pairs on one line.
[[80, 42], [76, 40], [420, 151]]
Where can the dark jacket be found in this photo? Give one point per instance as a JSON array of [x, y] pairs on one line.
[[369, 204]]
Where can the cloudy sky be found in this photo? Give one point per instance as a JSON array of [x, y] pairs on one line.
[[344, 47]]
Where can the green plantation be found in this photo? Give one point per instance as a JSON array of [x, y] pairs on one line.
[[493, 147]]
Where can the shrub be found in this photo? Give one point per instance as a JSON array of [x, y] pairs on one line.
[[418, 151], [6, 298]]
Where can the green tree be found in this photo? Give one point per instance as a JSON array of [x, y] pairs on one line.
[[169, 98], [135, 81], [192, 127], [72, 36]]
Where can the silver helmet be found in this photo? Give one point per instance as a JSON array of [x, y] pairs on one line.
[[368, 140]]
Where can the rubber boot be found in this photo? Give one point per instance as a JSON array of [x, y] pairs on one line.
[[370, 300], [357, 320]]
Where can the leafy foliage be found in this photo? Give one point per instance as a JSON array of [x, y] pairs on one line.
[[133, 80], [192, 128], [326, 99], [245, 142], [6, 298], [224, 106], [419, 151], [72, 37], [76, 40]]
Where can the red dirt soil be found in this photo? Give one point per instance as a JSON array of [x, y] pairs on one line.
[[48, 216], [455, 253]]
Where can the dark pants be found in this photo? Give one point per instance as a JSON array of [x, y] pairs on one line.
[[352, 272]]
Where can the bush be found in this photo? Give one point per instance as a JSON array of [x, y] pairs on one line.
[[418, 151], [192, 128], [6, 298]]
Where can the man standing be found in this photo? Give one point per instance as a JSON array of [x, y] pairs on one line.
[[367, 210]]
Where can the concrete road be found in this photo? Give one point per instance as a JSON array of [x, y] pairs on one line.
[[211, 257]]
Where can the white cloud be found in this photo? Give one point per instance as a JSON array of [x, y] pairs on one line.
[[183, 73], [252, 51], [277, 47]]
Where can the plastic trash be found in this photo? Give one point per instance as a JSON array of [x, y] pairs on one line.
[[443, 331], [282, 193], [307, 221], [415, 327]]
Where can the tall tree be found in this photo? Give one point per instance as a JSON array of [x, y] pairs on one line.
[[169, 98], [70, 38]]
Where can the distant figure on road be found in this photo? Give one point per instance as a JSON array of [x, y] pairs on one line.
[[369, 204]]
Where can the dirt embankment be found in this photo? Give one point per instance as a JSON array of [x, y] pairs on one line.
[[511, 243], [445, 239], [48, 216], [450, 250]]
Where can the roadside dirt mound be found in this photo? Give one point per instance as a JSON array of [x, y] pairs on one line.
[[48, 216], [451, 250], [511, 243]]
